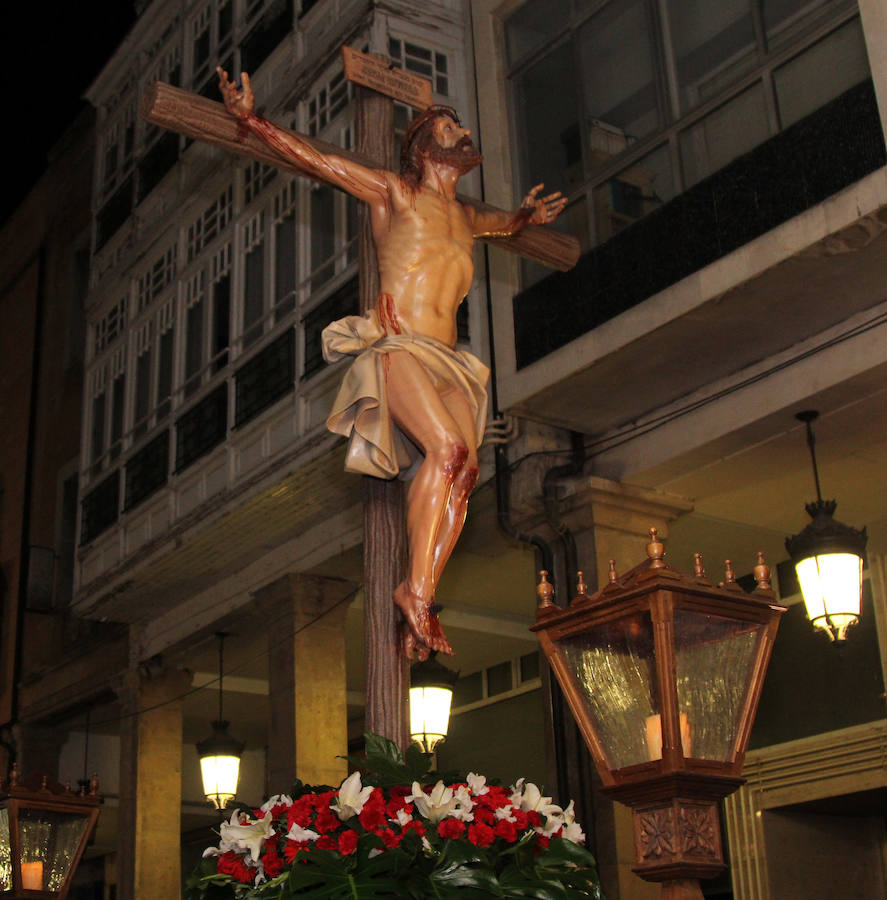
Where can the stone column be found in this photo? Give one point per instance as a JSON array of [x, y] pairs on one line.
[[610, 520], [308, 729], [149, 835]]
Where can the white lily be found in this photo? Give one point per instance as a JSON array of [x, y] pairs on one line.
[[351, 797], [249, 836], [277, 799], [506, 813], [443, 801], [297, 833], [572, 829], [403, 817], [478, 784], [529, 797]]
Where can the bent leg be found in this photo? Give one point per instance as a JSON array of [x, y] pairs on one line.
[[457, 506], [418, 410]]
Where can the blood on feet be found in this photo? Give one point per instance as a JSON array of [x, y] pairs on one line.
[[425, 631]]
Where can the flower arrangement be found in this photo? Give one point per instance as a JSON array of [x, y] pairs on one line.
[[396, 830]]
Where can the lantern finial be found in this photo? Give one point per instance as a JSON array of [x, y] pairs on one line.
[[698, 568], [762, 574], [544, 590], [581, 588], [729, 572], [611, 575], [655, 550]]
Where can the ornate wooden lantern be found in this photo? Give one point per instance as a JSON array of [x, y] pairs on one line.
[[44, 828], [663, 672]]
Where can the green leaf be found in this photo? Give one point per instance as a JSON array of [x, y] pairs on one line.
[[561, 851]]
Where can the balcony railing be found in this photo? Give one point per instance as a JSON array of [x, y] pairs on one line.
[[830, 149]]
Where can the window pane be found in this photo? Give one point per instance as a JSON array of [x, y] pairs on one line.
[[194, 346], [285, 265], [498, 679], [253, 294], [118, 395], [713, 44], [636, 191], [164, 372], [728, 132], [143, 392], [619, 79], [532, 25], [221, 321], [323, 234], [781, 16], [98, 426], [827, 69], [548, 120]]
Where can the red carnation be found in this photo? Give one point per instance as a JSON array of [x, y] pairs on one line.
[[347, 842], [541, 842], [481, 835], [484, 816], [327, 842], [300, 813], [506, 830], [389, 838], [450, 828], [418, 827], [326, 821], [321, 801], [521, 819], [372, 815], [232, 864], [292, 848], [272, 861], [534, 818]]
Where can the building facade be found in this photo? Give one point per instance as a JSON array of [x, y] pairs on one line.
[[727, 179]]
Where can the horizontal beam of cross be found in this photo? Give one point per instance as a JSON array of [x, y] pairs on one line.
[[206, 120]]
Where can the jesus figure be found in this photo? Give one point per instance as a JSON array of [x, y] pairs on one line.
[[411, 403]]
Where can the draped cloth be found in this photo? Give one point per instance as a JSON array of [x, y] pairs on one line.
[[360, 411]]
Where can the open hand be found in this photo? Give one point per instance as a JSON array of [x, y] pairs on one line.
[[239, 103], [545, 209]]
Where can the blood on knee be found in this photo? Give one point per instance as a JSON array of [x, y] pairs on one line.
[[454, 458]]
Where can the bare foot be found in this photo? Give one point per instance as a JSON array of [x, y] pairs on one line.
[[422, 622], [408, 645]]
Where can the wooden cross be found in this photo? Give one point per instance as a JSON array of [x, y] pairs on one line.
[[385, 544]]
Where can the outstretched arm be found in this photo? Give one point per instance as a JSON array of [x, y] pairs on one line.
[[534, 210], [371, 185]]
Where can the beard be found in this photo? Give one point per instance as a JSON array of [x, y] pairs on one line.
[[463, 157]]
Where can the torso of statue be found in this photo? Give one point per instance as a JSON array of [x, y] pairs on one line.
[[425, 246]]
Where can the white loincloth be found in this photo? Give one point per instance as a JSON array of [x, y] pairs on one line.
[[360, 411]]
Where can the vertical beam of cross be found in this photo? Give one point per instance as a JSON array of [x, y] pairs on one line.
[[384, 532]]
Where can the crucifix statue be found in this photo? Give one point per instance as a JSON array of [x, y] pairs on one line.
[[411, 404], [427, 396]]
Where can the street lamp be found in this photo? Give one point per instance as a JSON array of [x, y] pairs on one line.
[[431, 695], [828, 558], [220, 755], [663, 672], [44, 828]]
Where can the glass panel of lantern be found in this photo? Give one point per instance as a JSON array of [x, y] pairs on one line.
[[614, 672], [714, 658]]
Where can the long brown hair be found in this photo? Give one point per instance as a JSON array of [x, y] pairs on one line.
[[417, 140]]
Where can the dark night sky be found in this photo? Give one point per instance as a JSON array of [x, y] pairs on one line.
[[54, 51]]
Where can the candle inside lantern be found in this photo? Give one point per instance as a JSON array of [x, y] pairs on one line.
[[32, 876], [653, 726]]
